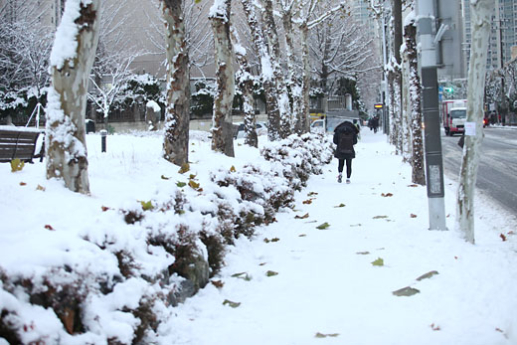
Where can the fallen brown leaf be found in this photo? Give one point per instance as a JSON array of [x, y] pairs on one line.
[[267, 240], [435, 327], [217, 283], [305, 216], [322, 335], [380, 217]]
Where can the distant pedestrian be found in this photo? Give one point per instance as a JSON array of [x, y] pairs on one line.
[[345, 137], [356, 124], [375, 123]]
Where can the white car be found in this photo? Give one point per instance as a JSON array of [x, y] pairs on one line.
[[260, 126], [318, 126]]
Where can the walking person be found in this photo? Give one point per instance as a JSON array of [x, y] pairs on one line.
[[345, 137], [375, 124], [356, 124]]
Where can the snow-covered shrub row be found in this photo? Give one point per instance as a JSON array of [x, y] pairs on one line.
[[300, 156], [110, 290], [120, 285], [266, 191]]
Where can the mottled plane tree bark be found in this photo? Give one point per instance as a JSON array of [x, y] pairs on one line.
[[245, 82], [222, 128], [177, 113], [266, 72], [415, 96], [480, 11], [71, 61]]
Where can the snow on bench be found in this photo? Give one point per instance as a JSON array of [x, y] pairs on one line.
[[19, 142]]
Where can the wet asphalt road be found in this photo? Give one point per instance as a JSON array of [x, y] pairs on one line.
[[497, 172]]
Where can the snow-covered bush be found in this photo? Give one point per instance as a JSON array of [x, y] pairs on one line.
[[145, 86], [202, 99], [257, 186], [20, 105], [299, 156], [130, 265]]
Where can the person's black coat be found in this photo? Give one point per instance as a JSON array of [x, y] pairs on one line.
[[342, 129]]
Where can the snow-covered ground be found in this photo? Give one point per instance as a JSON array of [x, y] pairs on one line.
[[312, 277]]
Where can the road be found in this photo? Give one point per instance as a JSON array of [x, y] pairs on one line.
[[497, 173]]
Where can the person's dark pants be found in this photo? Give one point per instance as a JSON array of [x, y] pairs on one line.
[[341, 164]]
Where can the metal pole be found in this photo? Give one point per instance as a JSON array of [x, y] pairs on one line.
[[430, 109], [503, 97], [104, 134]]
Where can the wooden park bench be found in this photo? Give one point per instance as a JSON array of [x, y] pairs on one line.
[[19, 142]]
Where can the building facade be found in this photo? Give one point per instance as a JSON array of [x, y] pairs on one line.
[[503, 36]]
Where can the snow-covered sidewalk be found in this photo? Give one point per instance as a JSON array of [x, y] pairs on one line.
[[297, 284], [323, 273]]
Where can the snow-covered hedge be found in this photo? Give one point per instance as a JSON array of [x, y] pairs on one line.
[[117, 286], [298, 157]]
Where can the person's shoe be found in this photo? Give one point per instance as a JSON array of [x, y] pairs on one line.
[[339, 178], [348, 181]]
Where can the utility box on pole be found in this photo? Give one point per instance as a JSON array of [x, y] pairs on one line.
[[426, 13]]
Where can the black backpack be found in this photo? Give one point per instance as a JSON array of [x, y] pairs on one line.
[[346, 142]]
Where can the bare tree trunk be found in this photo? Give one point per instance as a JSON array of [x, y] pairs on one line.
[[395, 77], [283, 121], [265, 65], [245, 81], [222, 129], [177, 112], [393, 108], [306, 80], [415, 97], [480, 18], [65, 138], [397, 109], [294, 117], [406, 114]]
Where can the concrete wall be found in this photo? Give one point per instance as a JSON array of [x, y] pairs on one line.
[[199, 124]]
